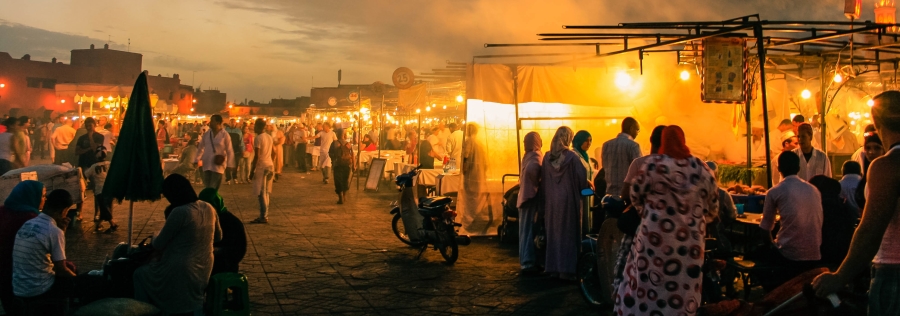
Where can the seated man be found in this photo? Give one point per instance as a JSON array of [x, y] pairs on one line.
[[39, 254], [796, 248], [852, 176]]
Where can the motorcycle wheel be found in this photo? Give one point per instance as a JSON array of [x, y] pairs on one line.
[[400, 230], [449, 249], [588, 279]]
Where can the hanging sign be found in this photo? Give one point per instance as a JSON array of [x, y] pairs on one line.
[[403, 78], [353, 96], [724, 72]]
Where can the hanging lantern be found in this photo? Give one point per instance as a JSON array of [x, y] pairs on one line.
[[852, 9]]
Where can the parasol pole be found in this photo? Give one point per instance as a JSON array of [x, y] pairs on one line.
[[130, 223]]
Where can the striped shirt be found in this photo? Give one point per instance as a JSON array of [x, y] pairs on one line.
[[38, 244], [618, 153]]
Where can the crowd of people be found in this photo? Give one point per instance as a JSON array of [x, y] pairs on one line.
[[675, 202]]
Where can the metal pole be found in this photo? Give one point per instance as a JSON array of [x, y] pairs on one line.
[[761, 51], [381, 122], [515, 77], [747, 104], [822, 102], [358, 136]]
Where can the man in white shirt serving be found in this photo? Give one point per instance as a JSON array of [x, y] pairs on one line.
[[813, 161], [216, 152], [39, 253], [454, 144]]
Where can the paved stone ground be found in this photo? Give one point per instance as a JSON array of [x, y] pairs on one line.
[[317, 257]]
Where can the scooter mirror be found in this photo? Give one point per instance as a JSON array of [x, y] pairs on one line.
[[587, 192]]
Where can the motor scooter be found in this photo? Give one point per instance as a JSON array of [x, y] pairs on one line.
[[431, 222]]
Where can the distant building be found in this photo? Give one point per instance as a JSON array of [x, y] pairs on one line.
[[276, 107], [209, 101], [93, 78]]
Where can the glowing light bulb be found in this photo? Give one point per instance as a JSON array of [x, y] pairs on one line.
[[623, 80], [100, 99], [418, 110], [838, 78], [806, 94], [445, 107], [459, 98], [870, 102], [685, 75], [62, 101]]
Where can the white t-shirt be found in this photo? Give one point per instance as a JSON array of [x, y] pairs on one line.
[[38, 244], [97, 174], [327, 138], [264, 143]]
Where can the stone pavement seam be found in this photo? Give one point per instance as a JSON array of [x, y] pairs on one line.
[[256, 251]]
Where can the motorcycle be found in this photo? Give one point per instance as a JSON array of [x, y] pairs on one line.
[[427, 223]]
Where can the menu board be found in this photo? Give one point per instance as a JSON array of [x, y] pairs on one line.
[[724, 70], [376, 169]]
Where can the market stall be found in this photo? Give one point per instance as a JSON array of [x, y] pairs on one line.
[[715, 89]]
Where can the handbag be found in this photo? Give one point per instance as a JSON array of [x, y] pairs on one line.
[[218, 159]]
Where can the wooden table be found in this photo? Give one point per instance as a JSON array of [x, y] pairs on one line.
[[745, 234]]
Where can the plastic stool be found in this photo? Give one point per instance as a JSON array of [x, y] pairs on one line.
[[220, 302]]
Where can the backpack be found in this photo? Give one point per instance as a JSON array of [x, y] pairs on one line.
[[341, 155]]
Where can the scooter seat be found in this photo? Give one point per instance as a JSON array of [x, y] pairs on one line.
[[437, 202], [434, 206]]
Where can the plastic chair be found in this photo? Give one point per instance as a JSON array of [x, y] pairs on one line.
[[220, 303]]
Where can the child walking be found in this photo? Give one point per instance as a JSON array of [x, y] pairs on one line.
[[102, 204]]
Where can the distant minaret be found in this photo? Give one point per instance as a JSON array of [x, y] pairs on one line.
[[886, 13]]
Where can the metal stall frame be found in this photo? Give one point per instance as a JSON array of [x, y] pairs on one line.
[[819, 41]]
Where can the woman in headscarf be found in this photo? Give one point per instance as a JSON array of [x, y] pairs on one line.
[[176, 281], [675, 195], [873, 148], [530, 201], [581, 144], [228, 252], [24, 203], [839, 221], [563, 176]]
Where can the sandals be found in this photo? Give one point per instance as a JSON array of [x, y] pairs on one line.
[[111, 229], [260, 221]]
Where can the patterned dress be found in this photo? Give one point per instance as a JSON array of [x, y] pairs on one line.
[[675, 198]]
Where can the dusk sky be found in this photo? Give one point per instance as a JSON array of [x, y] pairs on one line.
[[269, 49]]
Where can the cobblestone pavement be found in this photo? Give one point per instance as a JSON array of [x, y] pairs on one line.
[[317, 257]]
